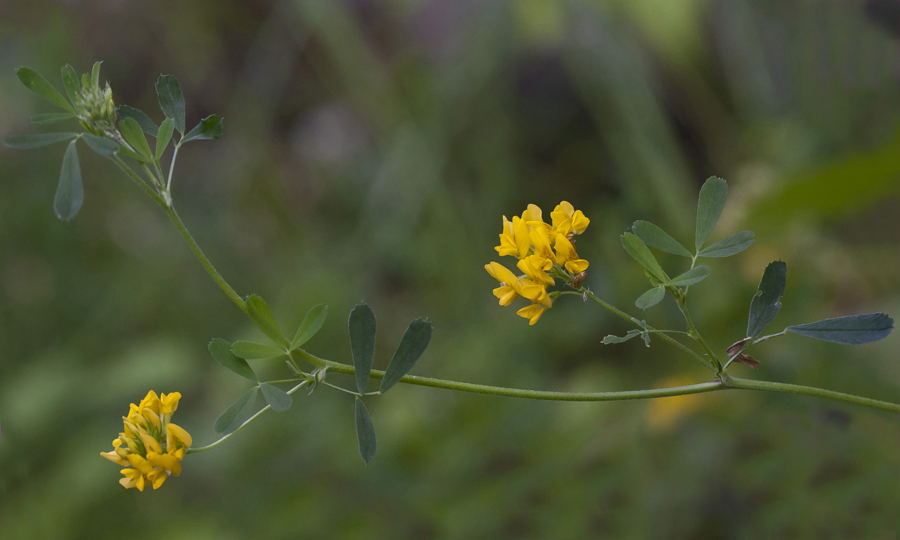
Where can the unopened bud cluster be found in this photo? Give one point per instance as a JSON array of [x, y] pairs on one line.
[[96, 108]]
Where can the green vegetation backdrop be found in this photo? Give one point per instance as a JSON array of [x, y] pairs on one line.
[[370, 149]]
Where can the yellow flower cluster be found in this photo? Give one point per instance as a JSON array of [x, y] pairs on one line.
[[541, 249], [153, 446]]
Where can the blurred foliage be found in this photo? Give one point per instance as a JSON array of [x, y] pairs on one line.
[[369, 152]]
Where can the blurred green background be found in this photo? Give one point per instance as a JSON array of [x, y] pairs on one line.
[[370, 151]]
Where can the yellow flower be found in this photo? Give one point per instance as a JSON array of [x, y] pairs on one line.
[[153, 446], [542, 250], [509, 288], [532, 313], [567, 220], [514, 239], [566, 256]]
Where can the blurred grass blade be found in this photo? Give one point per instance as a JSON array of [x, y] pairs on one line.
[[69, 191], [36, 140], [39, 85], [133, 133], [851, 330], [103, 146], [362, 343], [709, 207], [148, 126], [657, 238], [729, 246], [209, 128], [164, 136], [171, 100], [70, 81], [311, 324], [51, 118], [365, 432], [765, 305], [640, 253], [277, 398], [651, 297], [238, 413], [262, 317], [255, 351], [415, 341], [221, 351], [694, 275]]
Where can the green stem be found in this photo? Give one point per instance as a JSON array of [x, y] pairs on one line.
[[337, 367], [138, 180], [252, 418], [172, 167], [210, 269], [747, 384], [682, 305], [618, 312]]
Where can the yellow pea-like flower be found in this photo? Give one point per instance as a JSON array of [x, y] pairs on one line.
[[150, 447], [514, 238]]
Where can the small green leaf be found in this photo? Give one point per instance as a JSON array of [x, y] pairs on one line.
[[132, 132], [729, 246], [640, 253], [51, 118], [415, 341], [69, 191], [694, 275], [657, 238], [651, 297], [646, 337], [221, 351], [851, 330], [210, 128], [171, 100], [262, 317], [277, 398], [95, 74], [609, 340], [255, 351], [164, 136], [126, 152], [311, 324], [238, 413], [765, 305], [365, 432], [103, 146], [70, 81], [148, 126], [39, 85], [35, 140], [361, 324], [709, 207]]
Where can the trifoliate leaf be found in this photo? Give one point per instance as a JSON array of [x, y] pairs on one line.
[[221, 351], [765, 305], [365, 432], [709, 207], [651, 297], [277, 398], [415, 341], [210, 128], [70, 191], [641, 253], [171, 100], [238, 413], [852, 329], [311, 324], [39, 85], [694, 275], [361, 324], [729, 246], [609, 340], [262, 317], [657, 238]]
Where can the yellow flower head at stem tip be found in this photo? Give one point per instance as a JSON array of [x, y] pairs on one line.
[[543, 251], [153, 446]]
